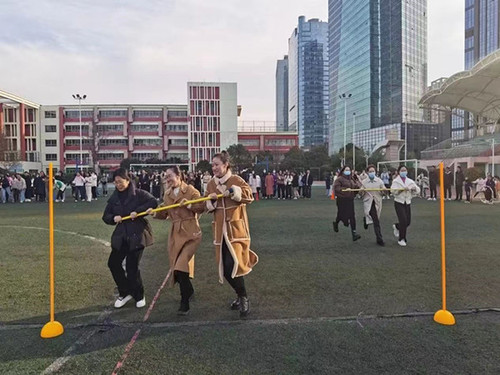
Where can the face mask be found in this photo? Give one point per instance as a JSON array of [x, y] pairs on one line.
[[347, 173], [371, 175], [403, 174]]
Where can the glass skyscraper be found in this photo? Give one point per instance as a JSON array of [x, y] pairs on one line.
[[308, 82], [481, 38], [282, 94], [378, 55]]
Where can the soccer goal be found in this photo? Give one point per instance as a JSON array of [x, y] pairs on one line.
[[393, 165]]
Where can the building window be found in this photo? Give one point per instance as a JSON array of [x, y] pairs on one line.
[[177, 114], [147, 142], [147, 114], [50, 128], [50, 157], [113, 113], [50, 114], [50, 143], [249, 142], [144, 127], [75, 114]]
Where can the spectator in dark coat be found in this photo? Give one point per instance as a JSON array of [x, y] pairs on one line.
[[39, 187], [433, 181], [459, 183], [129, 238], [345, 200], [448, 181], [307, 181]]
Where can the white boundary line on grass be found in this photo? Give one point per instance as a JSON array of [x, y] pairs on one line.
[[102, 242]]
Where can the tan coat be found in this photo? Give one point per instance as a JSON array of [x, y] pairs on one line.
[[231, 223], [185, 232]]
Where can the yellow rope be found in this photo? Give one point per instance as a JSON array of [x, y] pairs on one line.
[[173, 206]]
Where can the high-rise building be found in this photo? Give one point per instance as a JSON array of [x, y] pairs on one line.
[[308, 91], [378, 64], [213, 119], [282, 94], [482, 37]]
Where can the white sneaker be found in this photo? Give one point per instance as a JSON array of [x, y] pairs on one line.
[[396, 231], [402, 243], [433, 199], [121, 301], [429, 199], [141, 303]]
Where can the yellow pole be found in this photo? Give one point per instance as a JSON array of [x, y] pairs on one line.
[[52, 328], [443, 316], [372, 189], [173, 206]]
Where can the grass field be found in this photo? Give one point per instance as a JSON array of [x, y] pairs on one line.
[[320, 304]]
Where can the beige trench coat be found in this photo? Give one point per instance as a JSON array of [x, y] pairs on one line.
[[185, 232], [372, 196], [230, 224]]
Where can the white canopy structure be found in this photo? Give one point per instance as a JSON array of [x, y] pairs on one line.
[[476, 90]]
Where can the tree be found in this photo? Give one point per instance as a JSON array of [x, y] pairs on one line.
[[294, 159], [203, 166], [317, 157], [240, 157]]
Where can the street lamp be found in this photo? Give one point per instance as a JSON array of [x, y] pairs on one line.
[[406, 137], [353, 146], [345, 97], [80, 98]]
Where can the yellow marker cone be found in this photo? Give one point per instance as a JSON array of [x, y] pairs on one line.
[[443, 316], [52, 328]]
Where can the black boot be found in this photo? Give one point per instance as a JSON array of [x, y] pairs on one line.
[[355, 236], [235, 305], [335, 226], [365, 225], [186, 291], [244, 306]]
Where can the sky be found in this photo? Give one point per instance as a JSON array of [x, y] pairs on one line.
[[145, 52]]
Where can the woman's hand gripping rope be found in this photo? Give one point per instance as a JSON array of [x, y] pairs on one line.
[[149, 211]]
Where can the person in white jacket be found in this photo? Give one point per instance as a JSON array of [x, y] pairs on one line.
[[372, 202], [255, 184], [403, 188]]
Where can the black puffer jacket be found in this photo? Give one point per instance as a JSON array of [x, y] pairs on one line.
[[137, 233]]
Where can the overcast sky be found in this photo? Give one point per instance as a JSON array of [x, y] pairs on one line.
[[131, 51]]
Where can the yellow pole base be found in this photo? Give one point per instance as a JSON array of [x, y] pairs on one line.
[[52, 329], [444, 317]]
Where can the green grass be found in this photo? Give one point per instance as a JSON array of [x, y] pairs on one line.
[[305, 271]]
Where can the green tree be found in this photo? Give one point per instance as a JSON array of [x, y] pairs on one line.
[[317, 157], [294, 159], [240, 157], [204, 166]]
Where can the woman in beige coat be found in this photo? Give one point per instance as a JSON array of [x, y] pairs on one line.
[[185, 232], [230, 228]]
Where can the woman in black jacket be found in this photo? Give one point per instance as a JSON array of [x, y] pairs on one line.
[[345, 200], [129, 238]]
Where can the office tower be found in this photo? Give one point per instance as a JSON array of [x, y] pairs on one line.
[[308, 82], [282, 94]]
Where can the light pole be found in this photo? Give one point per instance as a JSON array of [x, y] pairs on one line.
[[353, 146], [493, 157], [406, 136], [80, 98], [344, 97]]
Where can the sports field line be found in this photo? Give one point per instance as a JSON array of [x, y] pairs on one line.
[[102, 242], [284, 321], [82, 340], [132, 341]]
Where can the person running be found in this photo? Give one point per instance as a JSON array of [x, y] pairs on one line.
[[129, 238], [372, 202], [230, 229], [185, 233], [403, 188], [345, 200]]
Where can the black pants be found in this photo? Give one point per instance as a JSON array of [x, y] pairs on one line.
[[60, 195], [433, 190], [447, 191], [185, 286], [132, 282], [376, 222], [403, 211], [467, 195], [488, 194], [307, 191], [238, 283], [16, 195], [459, 189], [281, 191]]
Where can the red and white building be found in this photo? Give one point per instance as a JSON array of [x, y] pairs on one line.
[[108, 133]]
